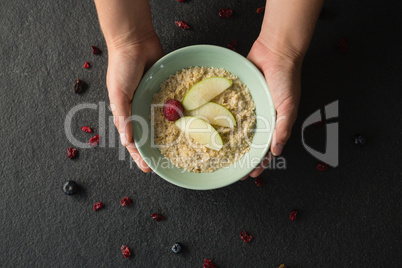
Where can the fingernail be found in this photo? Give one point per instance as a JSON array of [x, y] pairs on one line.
[[123, 139], [278, 149]]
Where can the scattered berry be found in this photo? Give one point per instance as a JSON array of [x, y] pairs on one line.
[[86, 65], [126, 251], [98, 205], [260, 10], [86, 129], [71, 153], [225, 13], [181, 1], [318, 124], [245, 236], [360, 140], [94, 140], [79, 86], [322, 166], [126, 201], [282, 266], [182, 24], [173, 110], [292, 215], [232, 45], [343, 45], [95, 50], [176, 248], [209, 264], [259, 182], [157, 217], [70, 187]]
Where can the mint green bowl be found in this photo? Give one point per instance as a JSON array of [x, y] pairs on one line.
[[211, 56]]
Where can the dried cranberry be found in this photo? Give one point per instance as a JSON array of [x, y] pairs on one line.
[[94, 140], [182, 24], [126, 201], [318, 124], [98, 205], [259, 182], [343, 45], [232, 45], [292, 215], [157, 217], [79, 86], [86, 65], [71, 152], [86, 129], [322, 166], [225, 13], [245, 236], [260, 10], [173, 110], [181, 1], [95, 50], [126, 251], [209, 264]]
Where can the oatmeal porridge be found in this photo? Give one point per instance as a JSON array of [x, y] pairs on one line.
[[183, 151]]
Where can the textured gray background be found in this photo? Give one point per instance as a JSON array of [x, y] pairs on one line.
[[349, 216]]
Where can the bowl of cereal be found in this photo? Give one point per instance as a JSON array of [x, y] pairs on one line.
[[203, 117]]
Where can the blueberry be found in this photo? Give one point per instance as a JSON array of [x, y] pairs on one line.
[[70, 187], [176, 248], [360, 140]]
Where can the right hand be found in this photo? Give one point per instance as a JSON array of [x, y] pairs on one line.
[[126, 66]]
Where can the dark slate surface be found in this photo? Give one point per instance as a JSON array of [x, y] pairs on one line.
[[348, 216]]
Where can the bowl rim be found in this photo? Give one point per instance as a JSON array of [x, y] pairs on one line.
[[249, 64]]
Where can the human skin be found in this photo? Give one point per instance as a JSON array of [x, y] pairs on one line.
[[278, 52]]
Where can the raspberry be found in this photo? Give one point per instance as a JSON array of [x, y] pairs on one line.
[[98, 205], [126, 201], [95, 50], [245, 236], [182, 24], [71, 153], [94, 140], [86, 129], [126, 251], [225, 13], [86, 65], [293, 215], [157, 217], [173, 110]]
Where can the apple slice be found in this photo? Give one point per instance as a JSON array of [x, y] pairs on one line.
[[204, 91], [200, 131], [215, 114]]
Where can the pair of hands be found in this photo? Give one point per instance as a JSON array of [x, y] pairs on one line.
[[127, 63]]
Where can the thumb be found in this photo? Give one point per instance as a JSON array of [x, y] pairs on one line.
[[286, 116], [121, 109]]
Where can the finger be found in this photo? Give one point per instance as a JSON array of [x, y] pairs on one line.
[[245, 177], [284, 123], [121, 109], [137, 158], [262, 166]]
